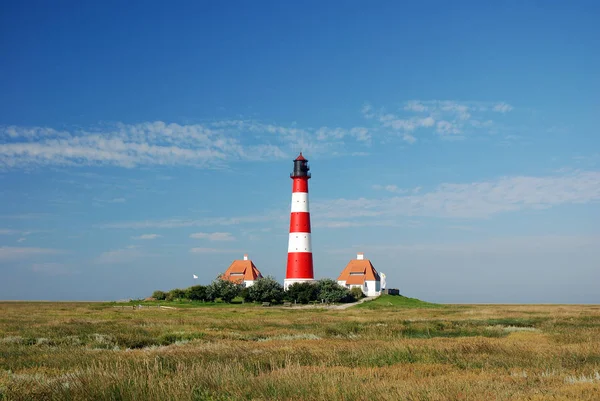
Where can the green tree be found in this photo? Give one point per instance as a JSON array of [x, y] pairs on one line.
[[331, 291], [224, 289], [175, 294], [197, 293], [159, 295], [302, 292], [265, 289]]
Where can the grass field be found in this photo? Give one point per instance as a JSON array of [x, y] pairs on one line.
[[392, 348]]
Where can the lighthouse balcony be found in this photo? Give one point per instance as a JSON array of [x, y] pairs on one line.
[[297, 175]]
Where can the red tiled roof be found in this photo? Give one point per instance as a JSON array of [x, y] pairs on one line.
[[241, 270], [358, 271]]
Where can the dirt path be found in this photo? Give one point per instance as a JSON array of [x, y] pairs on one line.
[[325, 306]]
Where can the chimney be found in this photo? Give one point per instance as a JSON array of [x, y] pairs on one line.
[[245, 256], [360, 256]]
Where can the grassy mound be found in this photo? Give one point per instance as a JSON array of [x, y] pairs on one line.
[[396, 301]]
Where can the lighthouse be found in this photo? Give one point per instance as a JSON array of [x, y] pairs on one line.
[[300, 261]]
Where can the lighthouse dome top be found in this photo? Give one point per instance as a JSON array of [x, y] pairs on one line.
[[300, 158]]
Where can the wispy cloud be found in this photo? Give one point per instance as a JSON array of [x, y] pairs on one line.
[[214, 250], [395, 189], [473, 200], [7, 231], [216, 144], [517, 244], [147, 236], [8, 252], [122, 255], [218, 236], [211, 145], [113, 200], [449, 119], [24, 216], [206, 222], [502, 107]]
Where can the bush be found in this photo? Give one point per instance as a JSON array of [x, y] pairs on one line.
[[174, 294], [265, 289], [197, 293], [331, 291], [302, 292], [159, 295], [357, 293], [224, 289]]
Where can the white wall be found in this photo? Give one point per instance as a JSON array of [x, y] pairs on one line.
[[373, 288]]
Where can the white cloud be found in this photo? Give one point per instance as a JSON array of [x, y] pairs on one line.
[[446, 128], [25, 216], [502, 107], [409, 138], [211, 145], [6, 231], [474, 200], [219, 236], [8, 252], [394, 189], [207, 222], [22, 239], [416, 106], [445, 118], [214, 250], [517, 244], [147, 236], [123, 255]]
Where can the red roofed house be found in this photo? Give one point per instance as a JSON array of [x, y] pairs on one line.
[[361, 273], [242, 271]]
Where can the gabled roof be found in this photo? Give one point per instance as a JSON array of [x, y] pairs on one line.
[[241, 270], [358, 271]]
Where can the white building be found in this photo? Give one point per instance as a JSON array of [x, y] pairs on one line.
[[360, 273]]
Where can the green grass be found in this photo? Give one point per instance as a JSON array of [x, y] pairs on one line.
[[405, 349], [396, 301], [236, 302]]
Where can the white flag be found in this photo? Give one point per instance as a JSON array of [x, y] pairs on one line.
[[195, 276], [383, 283]]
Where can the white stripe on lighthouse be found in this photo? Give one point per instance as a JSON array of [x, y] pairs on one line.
[[299, 202], [299, 242]]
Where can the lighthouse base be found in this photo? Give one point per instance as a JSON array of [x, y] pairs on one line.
[[289, 281]]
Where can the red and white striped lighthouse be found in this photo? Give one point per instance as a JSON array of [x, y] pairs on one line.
[[300, 261]]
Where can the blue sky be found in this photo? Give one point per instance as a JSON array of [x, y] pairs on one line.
[[454, 143]]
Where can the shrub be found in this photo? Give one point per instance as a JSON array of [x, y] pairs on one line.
[[159, 295], [224, 289], [331, 291], [357, 293], [302, 292], [197, 293], [265, 289], [175, 293]]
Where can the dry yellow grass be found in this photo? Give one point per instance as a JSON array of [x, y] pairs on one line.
[[78, 351]]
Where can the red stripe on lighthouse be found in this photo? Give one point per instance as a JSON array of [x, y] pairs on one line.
[[300, 265], [300, 222], [300, 185]]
